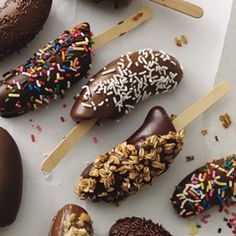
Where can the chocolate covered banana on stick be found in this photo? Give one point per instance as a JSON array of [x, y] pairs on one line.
[[57, 66], [116, 89]]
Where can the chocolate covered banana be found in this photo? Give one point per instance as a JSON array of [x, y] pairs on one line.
[[71, 220], [48, 74], [133, 77], [207, 186], [131, 165], [20, 21], [11, 179]]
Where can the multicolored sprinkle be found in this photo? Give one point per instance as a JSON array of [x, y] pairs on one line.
[[52, 70], [211, 184]]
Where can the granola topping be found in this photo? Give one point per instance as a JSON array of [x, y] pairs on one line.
[[125, 169]]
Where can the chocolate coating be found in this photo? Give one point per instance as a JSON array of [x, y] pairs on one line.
[[53, 69], [136, 76], [134, 226], [117, 3], [157, 122], [20, 21], [10, 179], [207, 186], [71, 220], [125, 169]]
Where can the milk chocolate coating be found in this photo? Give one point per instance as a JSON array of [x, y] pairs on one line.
[[71, 220], [10, 179], [207, 186], [156, 137], [117, 3], [53, 69], [134, 226], [20, 21], [136, 76]]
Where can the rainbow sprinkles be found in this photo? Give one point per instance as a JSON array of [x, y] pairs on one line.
[[212, 184], [52, 70]]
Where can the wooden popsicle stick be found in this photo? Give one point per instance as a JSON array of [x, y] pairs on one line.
[[201, 105], [70, 140], [122, 27], [83, 127], [182, 6]]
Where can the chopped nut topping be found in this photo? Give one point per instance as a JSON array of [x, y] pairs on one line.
[[225, 120], [178, 42], [184, 39], [204, 132], [125, 169]]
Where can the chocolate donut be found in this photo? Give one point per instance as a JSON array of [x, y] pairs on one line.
[[53, 69], [207, 186], [135, 163], [134, 226], [133, 77], [10, 179], [20, 21], [71, 220]]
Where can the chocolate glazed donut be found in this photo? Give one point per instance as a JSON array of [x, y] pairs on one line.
[[20, 21]]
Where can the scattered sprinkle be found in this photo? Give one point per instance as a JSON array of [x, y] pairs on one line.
[[95, 140], [216, 138], [62, 119], [64, 105], [219, 230], [190, 158], [32, 138], [39, 128]]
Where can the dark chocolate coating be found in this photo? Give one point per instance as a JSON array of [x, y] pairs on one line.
[[207, 186], [134, 226], [117, 3], [69, 214], [156, 122], [124, 82], [128, 167], [53, 69], [20, 21], [10, 179]]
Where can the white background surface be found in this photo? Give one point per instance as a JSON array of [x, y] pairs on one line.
[[42, 197]]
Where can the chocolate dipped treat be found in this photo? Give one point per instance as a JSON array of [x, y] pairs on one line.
[[115, 89], [10, 179], [207, 186], [20, 21], [71, 220], [53, 69], [125, 169], [135, 226], [117, 3]]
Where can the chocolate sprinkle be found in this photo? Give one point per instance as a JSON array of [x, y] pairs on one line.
[[134, 226]]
